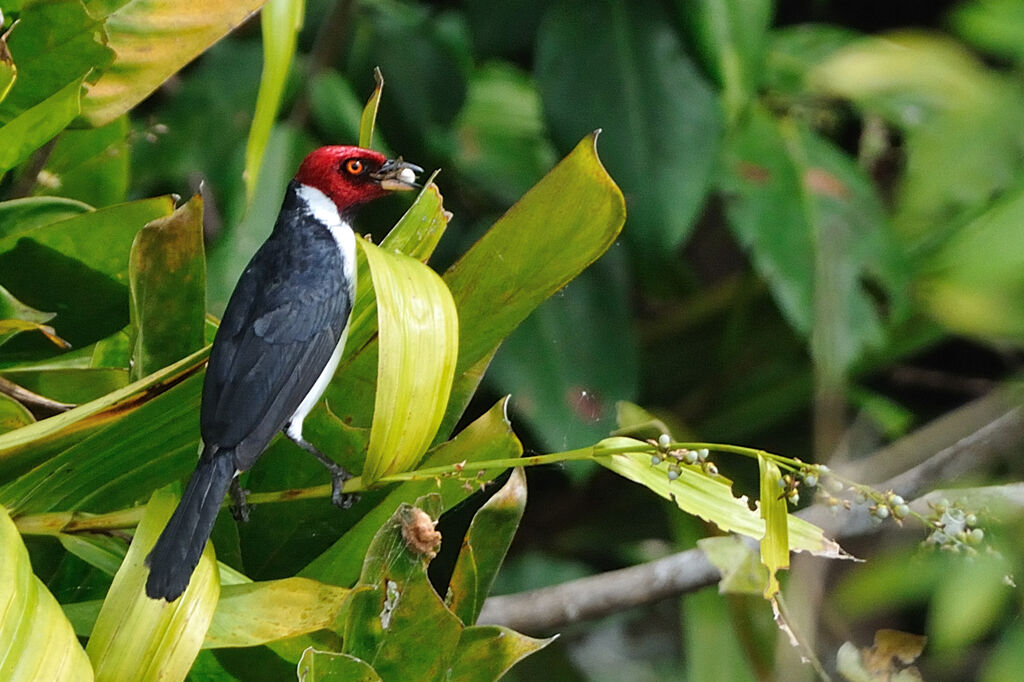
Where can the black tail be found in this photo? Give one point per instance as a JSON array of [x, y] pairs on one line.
[[179, 547]]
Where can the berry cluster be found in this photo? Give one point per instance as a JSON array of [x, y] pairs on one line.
[[681, 456]]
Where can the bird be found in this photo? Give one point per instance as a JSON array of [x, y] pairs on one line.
[[279, 342]]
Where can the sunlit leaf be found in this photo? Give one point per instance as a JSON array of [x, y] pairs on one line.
[[369, 118], [34, 127], [36, 639], [139, 638], [484, 548], [256, 613], [152, 40], [558, 228], [738, 562], [772, 506], [712, 500], [418, 336], [280, 22], [13, 415], [167, 277], [486, 652], [22, 215]]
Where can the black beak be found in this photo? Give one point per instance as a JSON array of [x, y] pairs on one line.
[[397, 175]]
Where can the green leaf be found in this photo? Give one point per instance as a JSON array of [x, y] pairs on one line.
[[742, 571], [489, 437], [369, 117], [414, 635], [91, 165], [546, 239], [8, 70], [419, 337], [251, 614], [16, 317], [54, 46], [13, 415], [34, 127], [730, 38], [152, 39], [487, 652], [711, 498], [167, 277], [994, 26], [280, 21], [139, 638], [772, 505], [484, 548], [335, 107], [328, 666], [953, 111], [817, 234], [620, 66], [23, 215], [36, 639], [795, 51], [972, 284]]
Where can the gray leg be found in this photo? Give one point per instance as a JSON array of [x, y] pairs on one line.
[[239, 509], [339, 474]]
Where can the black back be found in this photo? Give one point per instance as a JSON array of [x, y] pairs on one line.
[[281, 326]]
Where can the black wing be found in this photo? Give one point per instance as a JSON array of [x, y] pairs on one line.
[[283, 322]]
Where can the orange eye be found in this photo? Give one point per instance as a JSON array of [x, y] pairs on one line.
[[354, 166]]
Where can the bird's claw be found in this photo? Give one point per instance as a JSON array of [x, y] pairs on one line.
[[342, 500]]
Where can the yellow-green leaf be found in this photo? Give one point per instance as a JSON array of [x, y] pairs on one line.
[[711, 499], [167, 286], [138, 638], [251, 614], [36, 639], [34, 127], [8, 70], [369, 118], [775, 543], [280, 22], [328, 666], [419, 338], [152, 40]]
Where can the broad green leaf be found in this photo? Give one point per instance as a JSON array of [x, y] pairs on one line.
[[558, 228], [251, 614], [489, 437], [816, 232], [711, 499], [90, 165], [103, 552], [152, 39], [969, 601], [484, 548], [620, 66], [280, 22], [502, 144], [125, 443], [16, 317], [369, 117], [973, 283], [100, 240], [34, 127], [418, 332], [167, 278], [730, 38], [13, 415], [795, 51], [139, 638], [22, 215], [772, 505], [953, 111], [414, 635], [54, 46], [36, 639], [328, 666], [487, 652]]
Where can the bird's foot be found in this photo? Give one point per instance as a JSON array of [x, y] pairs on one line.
[[339, 475], [239, 508]]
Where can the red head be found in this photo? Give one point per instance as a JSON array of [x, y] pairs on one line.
[[350, 176]]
